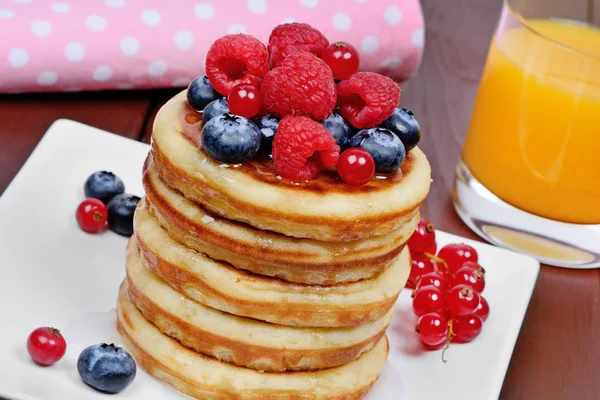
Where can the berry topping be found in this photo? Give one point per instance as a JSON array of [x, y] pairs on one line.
[[231, 139], [302, 148], [432, 329], [91, 215], [268, 128], [120, 213], [469, 276], [288, 38], [428, 299], [341, 130], [466, 328], [236, 59], [366, 99], [106, 367], [483, 310], [423, 238], [200, 92], [402, 122], [245, 100], [356, 167], [46, 346], [214, 109], [462, 300], [103, 185], [385, 147], [302, 85], [456, 254], [420, 265], [342, 58]]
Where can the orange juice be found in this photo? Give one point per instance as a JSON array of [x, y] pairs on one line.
[[534, 138]]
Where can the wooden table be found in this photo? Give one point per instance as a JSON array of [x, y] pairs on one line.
[[557, 355]]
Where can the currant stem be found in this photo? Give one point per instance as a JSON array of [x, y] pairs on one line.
[[438, 260], [449, 338]]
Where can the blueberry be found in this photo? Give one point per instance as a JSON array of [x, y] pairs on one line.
[[120, 213], [106, 367], [268, 128], [339, 128], [404, 124], [103, 185], [231, 139], [385, 147], [200, 92], [214, 109]]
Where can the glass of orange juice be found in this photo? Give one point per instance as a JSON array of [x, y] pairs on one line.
[[529, 173]]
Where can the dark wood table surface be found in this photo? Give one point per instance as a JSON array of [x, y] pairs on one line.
[[557, 355]]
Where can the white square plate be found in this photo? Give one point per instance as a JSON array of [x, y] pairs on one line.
[[54, 274]]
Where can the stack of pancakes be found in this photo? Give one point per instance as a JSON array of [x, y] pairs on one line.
[[242, 285]]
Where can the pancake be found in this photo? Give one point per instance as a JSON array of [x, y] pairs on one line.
[[244, 341], [268, 253], [218, 285], [323, 208], [204, 377]]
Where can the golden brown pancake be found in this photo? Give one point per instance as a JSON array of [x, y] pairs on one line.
[[204, 377], [268, 253], [244, 341], [324, 208], [218, 285]]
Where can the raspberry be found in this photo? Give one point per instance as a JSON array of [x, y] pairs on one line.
[[367, 99], [302, 148], [287, 38], [236, 59], [302, 85]]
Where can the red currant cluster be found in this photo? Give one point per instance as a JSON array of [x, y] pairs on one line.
[[447, 289]]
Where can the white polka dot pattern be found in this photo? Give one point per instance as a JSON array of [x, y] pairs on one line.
[[392, 15], [74, 51], [61, 7], [130, 46], [370, 44], [102, 73], [183, 40], [41, 28], [342, 21], [47, 78], [257, 6], [95, 23], [157, 68], [18, 58], [69, 45]]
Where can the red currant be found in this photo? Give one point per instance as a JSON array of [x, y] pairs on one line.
[[91, 215], [428, 299], [46, 346], [432, 249], [420, 265], [456, 254], [432, 329], [462, 300], [342, 58], [423, 238], [466, 327], [245, 100], [356, 167], [483, 310], [468, 276], [435, 278]]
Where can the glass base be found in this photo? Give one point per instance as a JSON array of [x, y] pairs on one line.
[[551, 242]]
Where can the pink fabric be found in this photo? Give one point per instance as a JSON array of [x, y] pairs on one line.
[[71, 45]]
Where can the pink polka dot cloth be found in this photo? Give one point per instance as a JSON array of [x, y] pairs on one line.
[[74, 45]]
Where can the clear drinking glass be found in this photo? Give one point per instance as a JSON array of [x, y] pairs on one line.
[[529, 173]]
